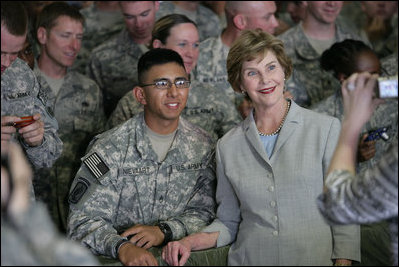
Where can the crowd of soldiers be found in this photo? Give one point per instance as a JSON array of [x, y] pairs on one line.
[[75, 67]]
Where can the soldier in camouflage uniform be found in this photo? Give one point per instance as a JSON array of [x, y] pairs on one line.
[[75, 100], [206, 106], [103, 20], [28, 236], [377, 22], [345, 58], [130, 184], [207, 21], [305, 56], [211, 67], [19, 95], [113, 65]]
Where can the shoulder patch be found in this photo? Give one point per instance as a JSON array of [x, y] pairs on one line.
[[96, 165], [78, 191]]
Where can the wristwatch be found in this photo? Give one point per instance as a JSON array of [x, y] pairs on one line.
[[165, 229]]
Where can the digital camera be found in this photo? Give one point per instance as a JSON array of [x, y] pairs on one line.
[[387, 87]]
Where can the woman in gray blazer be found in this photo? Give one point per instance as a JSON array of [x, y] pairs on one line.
[[270, 170]]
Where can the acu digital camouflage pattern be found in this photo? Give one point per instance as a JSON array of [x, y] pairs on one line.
[[95, 33], [113, 66], [385, 115], [207, 21], [211, 67], [206, 107], [389, 64], [30, 239], [137, 189], [318, 83], [19, 97], [78, 108]]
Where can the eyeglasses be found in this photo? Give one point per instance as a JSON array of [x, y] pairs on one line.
[[163, 84]]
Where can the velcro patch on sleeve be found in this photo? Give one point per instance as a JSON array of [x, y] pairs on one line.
[[96, 165], [78, 191]]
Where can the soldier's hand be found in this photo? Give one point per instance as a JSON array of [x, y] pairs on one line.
[[366, 150], [145, 236], [7, 130], [33, 134], [132, 255]]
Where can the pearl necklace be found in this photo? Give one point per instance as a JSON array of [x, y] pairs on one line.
[[281, 124]]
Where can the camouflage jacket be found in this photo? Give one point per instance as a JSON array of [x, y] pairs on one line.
[[306, 62], [206, 107], [385, 115], [95, 33], [78, 108], [127, 185], [19, 97], [389, 64], [207, 21], [113, 66], [211, 66]]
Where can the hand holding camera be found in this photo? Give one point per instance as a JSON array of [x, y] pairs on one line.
[[358, 92], [30, 128]]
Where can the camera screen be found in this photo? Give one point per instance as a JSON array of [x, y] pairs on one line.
[[388, 88]]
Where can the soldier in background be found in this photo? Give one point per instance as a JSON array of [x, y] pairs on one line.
[[207, 21], [240, 15], [207, 107], [75, 100], [103, 20], [304, 44], [113, 64], [151, 179], [346, 58], [28, 236], [377, 23], [19, 94]]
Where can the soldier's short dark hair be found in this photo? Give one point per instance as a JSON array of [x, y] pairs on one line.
[[156, 56], [248, 46], [14, 17], [51, 12], [163, 26]]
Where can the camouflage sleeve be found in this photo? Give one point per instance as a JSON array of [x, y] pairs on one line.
[[93, 202], [231, 117], [127, 108], [201, 209], [51, 148], [48, 246], [100, 119]]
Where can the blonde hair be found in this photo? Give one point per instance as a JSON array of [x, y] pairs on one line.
[[250, 45]]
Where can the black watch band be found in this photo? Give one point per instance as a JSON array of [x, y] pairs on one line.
[[165, 229]]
